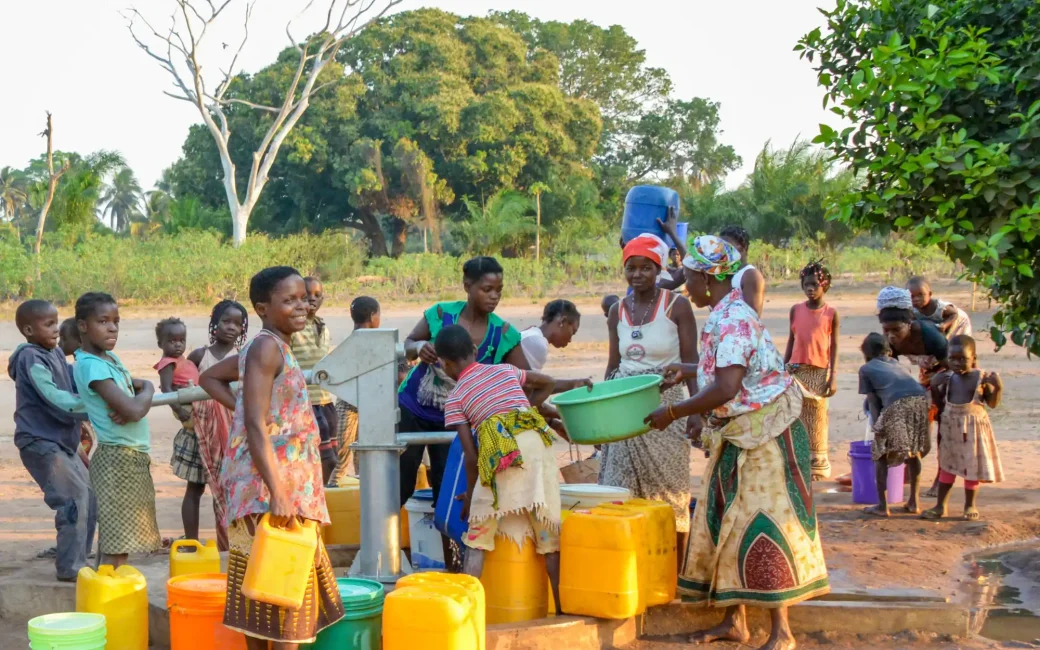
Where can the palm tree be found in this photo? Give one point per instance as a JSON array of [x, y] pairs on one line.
[[503, 223], [122, 199], [13, 193]]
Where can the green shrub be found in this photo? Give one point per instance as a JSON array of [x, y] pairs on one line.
[[201, 268]]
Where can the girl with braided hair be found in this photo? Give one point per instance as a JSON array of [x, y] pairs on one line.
[[812, 357], [228, 325]]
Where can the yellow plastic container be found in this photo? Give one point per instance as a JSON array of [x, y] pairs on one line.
[[422, 480], [514, 583], [205, 559], [643, 546], [344, 505], [662, 572], [121, 595], [469, 583], [430, 616], [548, 583], [599, 558], [280, 562]]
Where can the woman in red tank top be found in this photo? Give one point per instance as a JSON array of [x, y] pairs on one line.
[[812, 357]]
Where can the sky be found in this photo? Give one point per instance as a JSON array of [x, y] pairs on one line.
[[76, 59]]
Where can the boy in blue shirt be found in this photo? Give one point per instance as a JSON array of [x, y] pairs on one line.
[[47, 421]]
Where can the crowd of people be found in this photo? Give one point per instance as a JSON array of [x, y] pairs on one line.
[[271, 447]]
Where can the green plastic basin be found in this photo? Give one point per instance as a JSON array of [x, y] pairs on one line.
[[613, 410]]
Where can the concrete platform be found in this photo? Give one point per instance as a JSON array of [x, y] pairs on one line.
[[32, 591]]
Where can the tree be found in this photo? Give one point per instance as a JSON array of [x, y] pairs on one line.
[[500, 225], [13, 193], [646, 131], [941, 98], [122, 199], [474, 114], [52, 185], [537, 190], [178, 51], [77, 197]]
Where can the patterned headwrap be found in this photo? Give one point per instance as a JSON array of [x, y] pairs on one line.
[[894, 298], [712, 255], [646, 245]]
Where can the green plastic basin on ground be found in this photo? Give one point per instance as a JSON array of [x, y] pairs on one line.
[[613, 410]]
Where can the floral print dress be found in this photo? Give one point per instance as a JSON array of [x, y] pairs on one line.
[[294, 438]]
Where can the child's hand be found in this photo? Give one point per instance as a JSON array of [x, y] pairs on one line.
[[832, 387], [993, 380], [141, 385], [465, 498], [557, 425], [117, 419], [281, 509]]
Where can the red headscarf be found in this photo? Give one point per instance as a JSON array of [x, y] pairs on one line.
[[648, 246]]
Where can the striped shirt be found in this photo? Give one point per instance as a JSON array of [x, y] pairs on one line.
[[310, 345], [483, 391]]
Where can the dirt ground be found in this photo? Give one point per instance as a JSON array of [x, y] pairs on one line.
[[901, 552]]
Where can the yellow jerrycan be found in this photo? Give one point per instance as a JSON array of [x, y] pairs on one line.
[[121, 595], [599, 564], [280, 562], [205, 559], [662, 572]]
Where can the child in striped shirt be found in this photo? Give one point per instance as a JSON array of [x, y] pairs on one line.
[[508, 446]]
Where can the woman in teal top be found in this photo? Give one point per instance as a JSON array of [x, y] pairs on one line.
[[422, 394]]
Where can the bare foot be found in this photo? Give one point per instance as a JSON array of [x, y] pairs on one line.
[[971, 514], [935, 513], [728, 630], [912, 507], [876, 511], [783, 641], [932, 492]]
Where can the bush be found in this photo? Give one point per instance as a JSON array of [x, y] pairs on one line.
[[195, 268]]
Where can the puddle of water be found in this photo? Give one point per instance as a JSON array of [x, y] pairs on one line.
[[1005, 594]]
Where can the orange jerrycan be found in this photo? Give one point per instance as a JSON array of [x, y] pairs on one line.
[[205, 559], [599, 565], [196, 606], [662, 573], [344, 503], [280, 562], [430, 616], [514, 582], [469, 583], [121, 595]]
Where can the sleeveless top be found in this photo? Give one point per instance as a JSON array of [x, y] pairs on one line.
[[738, 277], [207, 361], [293, 435], [498, 342], [812, 330], [650, 346]]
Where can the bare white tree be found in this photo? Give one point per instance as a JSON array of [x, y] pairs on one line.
[[178, 51]]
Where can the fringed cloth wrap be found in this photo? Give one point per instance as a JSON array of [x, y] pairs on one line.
[[528, 488], [497, 449]]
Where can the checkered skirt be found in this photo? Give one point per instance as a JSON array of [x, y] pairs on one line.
[[122, 481], [186, 461]]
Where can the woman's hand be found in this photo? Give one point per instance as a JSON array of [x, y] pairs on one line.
[[427, 353], [677, 373], [694, 428], [670, 222], [659, 419]]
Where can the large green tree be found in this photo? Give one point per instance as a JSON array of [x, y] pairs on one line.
[[942, 102], [647, 132], [457, 97]]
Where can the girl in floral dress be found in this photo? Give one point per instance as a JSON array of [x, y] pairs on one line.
[[273, 464]]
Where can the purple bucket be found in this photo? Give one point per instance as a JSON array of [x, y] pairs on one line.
[[864, 485]]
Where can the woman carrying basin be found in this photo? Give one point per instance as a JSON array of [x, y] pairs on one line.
[[754, 538], [650, 329]]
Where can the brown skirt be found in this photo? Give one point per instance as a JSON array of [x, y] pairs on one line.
[[321, 604]]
